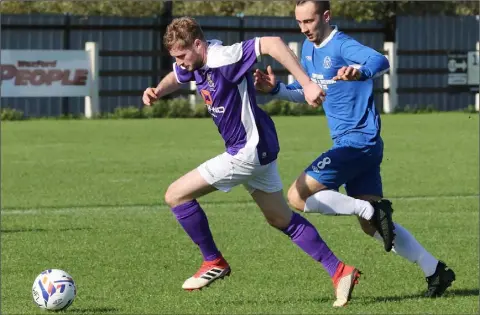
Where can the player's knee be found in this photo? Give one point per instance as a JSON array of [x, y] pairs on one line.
[[172, 197], [279, 222], [294, 198]]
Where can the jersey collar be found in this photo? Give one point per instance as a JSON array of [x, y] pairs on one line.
[[326, 40], [210, 43]]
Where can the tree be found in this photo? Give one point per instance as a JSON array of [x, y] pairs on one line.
[[117, 8], [358, 10]]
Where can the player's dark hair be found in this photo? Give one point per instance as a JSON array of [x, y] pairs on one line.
[[321, 6]]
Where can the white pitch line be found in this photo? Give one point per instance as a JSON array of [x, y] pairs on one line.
[[69, 210]]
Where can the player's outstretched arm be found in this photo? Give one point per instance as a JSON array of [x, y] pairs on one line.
[[277, 49], [266, 82], [167, 85], [367, 63]]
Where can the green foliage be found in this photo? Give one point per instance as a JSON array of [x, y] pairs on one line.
[[200, 111], [470, 109], [358, 10], [11, 114], [160, 109], [128, 112], [416, 109], [180, 108], [278, 107], [112, 7]]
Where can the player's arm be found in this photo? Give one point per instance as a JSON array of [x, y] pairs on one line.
[[295, 92], [266, 82], [292, 92], [276, 48], [235, 62], [169, 84], [367, 63]]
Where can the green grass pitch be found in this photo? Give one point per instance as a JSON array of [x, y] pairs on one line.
[[87, 197]]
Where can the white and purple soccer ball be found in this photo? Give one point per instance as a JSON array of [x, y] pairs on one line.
[[54, 290]]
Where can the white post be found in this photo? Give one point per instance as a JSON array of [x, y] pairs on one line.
[[477, 96], [390, 79], [294, 47], [92, 106], [477, 102], [193, 97]]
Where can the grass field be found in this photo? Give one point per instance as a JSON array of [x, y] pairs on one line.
[[87, 197]]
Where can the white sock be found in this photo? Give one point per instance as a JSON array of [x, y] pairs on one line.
[[408, 247], [331, 202]]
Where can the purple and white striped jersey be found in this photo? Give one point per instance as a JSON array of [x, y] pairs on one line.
[[226, 85]]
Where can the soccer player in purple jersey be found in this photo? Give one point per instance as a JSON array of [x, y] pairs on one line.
[[345, 69], [223, 78]]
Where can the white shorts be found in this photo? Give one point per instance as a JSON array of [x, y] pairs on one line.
[[225, 172]]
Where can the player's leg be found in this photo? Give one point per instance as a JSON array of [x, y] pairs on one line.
[[182, 196], [368, 187], [315, 190], [266, 190]]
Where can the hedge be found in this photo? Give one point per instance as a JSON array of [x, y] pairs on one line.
[[181, 108]]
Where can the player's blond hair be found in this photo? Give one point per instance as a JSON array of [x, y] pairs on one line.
[[182, 32]]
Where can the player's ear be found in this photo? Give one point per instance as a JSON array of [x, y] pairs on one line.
[[327, 16], [196, 44]]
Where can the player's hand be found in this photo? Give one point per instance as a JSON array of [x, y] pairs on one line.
[[347, 74], [264, 82], [149, 96], [314, 94]]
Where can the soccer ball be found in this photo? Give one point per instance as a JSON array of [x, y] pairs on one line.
[[54, 290]]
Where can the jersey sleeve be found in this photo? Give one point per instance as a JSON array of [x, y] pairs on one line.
[[292, 92], [182, 75], [236, 60], [370, 62]]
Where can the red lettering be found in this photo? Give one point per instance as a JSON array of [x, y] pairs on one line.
[[65, 79], [38, 77], [23, 76], [53, 75], [8, 72], [81, 76]]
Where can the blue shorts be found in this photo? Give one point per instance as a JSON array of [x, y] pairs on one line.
[[357, 169]]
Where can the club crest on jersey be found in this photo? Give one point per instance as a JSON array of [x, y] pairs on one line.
[[210, 82], [327, 62]]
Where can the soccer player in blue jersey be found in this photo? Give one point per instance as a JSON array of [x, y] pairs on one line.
[[345, 70], [224, 80]]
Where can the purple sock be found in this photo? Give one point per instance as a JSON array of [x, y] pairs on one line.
[[194, 221], [304, 234]]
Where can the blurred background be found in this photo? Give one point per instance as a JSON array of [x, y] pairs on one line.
[[425, 37]]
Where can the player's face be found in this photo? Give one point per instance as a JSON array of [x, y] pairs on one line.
[[311, 24], [189, 58]]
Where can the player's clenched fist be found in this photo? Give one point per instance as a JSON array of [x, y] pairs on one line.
[[149, 96], [314, 94]]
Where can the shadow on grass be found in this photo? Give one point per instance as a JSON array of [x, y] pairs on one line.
[[448, 293], [92, 310]]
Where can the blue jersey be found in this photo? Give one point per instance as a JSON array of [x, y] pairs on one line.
[[349, 106]]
